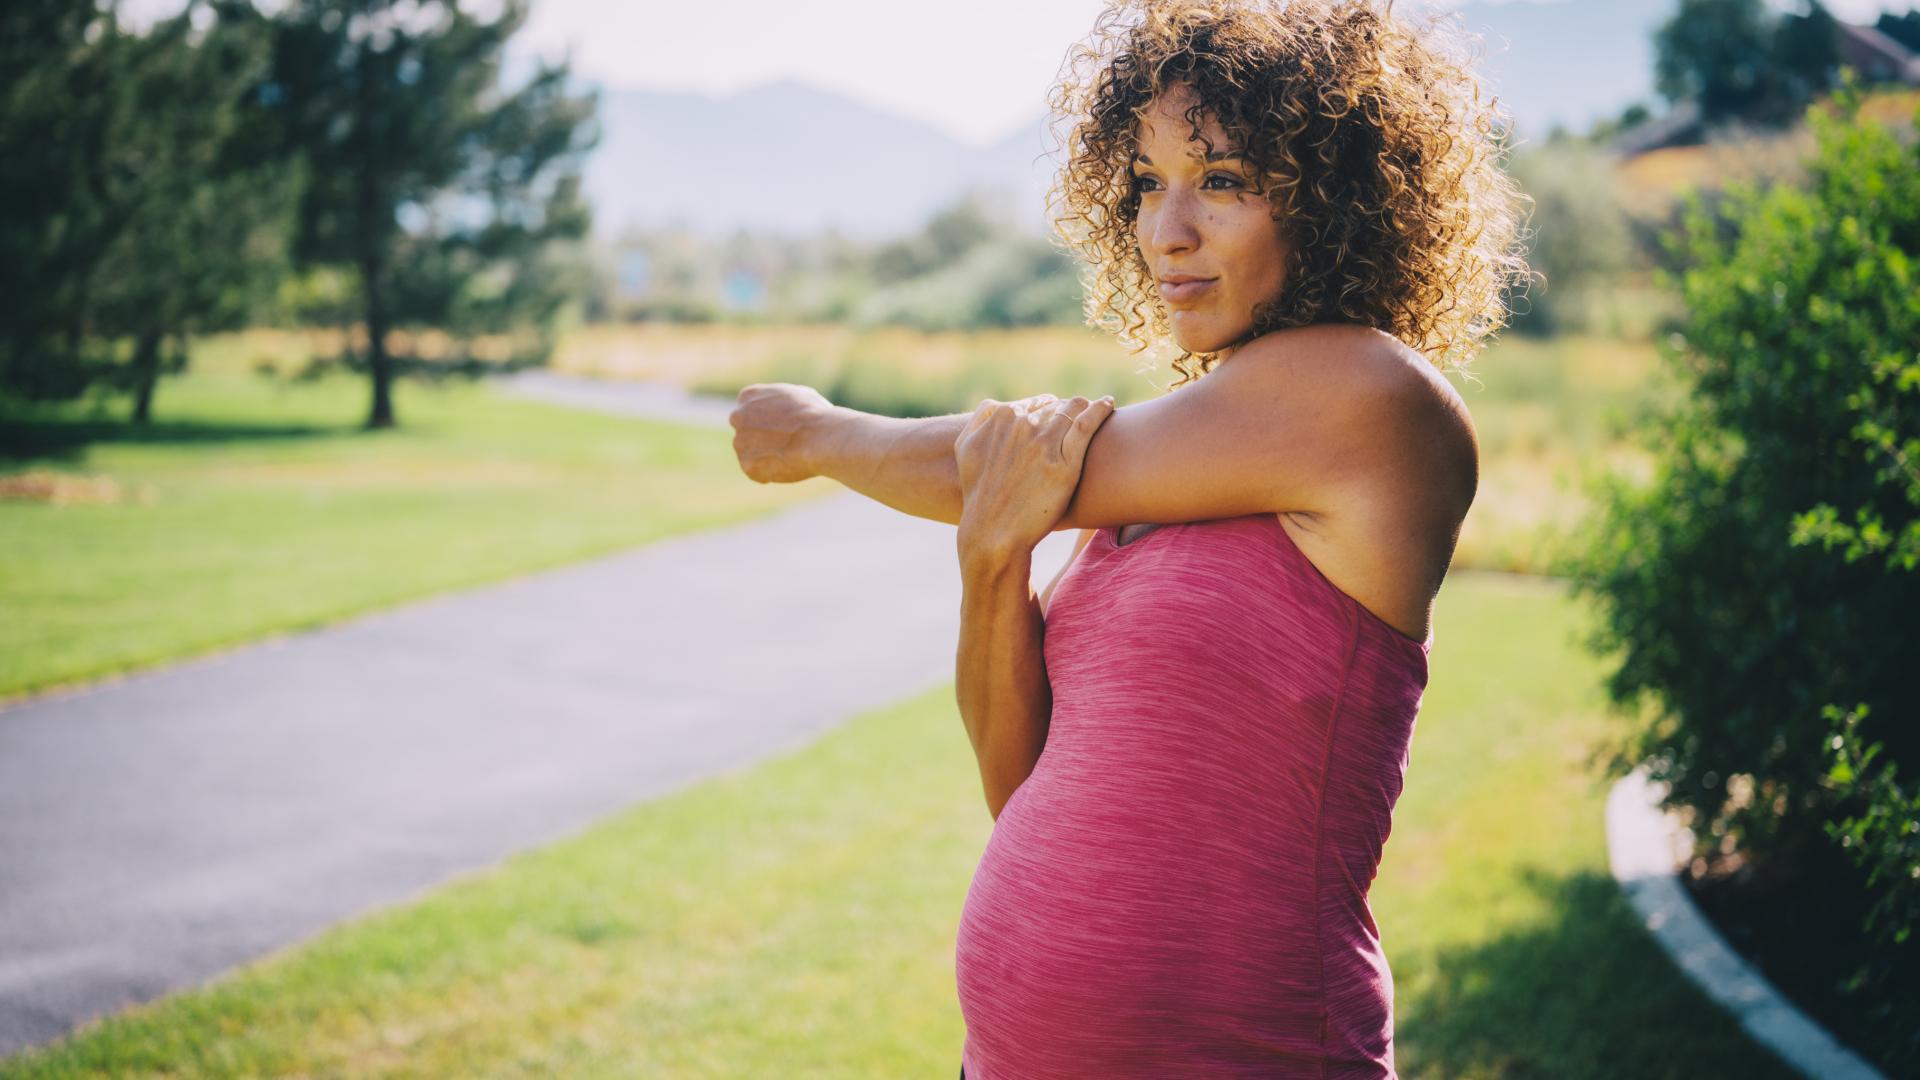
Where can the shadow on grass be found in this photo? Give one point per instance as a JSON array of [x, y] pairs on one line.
[[1585, 994], [25, 439]]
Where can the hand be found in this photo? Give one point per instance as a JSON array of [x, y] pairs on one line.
[[1019, 464], [772, 425]]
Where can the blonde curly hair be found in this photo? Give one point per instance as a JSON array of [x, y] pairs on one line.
[[1368, 133]]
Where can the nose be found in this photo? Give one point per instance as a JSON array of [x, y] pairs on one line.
[[1174, 224]]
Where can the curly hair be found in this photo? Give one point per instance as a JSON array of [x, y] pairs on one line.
[[1366, 132]]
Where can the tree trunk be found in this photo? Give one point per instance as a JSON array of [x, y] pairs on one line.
[[146, 368], [372, 226], [378, 363]]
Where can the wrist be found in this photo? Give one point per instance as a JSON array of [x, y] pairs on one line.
[[987, 559], [821, 444]]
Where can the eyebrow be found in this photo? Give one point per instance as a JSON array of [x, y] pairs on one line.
[[1217, 155]]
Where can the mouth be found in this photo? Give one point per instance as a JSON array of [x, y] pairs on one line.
[[1180, 287]]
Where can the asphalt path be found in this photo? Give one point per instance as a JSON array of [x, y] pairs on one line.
[[162, 829]]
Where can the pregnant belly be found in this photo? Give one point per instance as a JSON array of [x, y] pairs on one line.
[[1106, 935]]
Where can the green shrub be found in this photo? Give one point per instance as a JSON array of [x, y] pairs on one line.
[[1883, 838], [1006, 282], [1741, 604]]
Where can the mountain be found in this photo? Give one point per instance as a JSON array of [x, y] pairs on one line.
[[791, 158], [783, 157]]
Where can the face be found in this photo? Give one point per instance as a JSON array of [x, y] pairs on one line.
[[1201, 219]]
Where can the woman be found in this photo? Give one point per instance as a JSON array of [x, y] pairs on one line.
[[1193, 739]]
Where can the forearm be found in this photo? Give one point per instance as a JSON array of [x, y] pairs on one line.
[[1001, 677], [907, 464]]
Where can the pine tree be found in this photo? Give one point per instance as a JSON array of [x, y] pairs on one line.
[[425, 178]]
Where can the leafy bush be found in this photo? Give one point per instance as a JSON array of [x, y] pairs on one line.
[[1883, 837], [1006, 282], [1741, 603]]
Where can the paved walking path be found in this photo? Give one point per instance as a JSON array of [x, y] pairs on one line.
[[654, 400], [159, 830]]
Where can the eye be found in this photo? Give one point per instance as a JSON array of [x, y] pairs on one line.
[[1140, 181]]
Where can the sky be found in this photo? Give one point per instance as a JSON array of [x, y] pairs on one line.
[[1004, 52]]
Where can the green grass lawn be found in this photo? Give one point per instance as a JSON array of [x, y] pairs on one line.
[[797, 918], [251, 507]]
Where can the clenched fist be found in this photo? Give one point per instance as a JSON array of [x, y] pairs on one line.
[[772, 426]]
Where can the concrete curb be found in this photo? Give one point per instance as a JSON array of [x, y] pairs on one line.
[[1645, 847]]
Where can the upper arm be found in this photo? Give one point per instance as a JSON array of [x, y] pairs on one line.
[[1304, 419]]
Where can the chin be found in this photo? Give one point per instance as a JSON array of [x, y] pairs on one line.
[[1206, 341]]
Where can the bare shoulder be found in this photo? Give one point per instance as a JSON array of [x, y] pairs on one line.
[[1395, 405], [1401, 452], [1314, 420], [1353, 363]]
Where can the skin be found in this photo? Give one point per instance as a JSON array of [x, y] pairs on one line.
[[1359, 445], [1019, 463], [1202, 218]]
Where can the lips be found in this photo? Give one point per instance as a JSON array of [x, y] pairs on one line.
[[1182, 287]]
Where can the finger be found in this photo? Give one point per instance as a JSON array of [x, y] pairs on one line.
[[1088, 420], [1078, 406], [1037, 403], [1074, 405], [981, 413], [1072, 416], [1047, 409], [1062, 415]]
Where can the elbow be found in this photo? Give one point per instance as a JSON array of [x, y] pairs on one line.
[[1009, 752], [1000, 792], [997, 803], [996, 800]]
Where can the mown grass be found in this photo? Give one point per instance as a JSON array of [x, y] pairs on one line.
[[253, 506], [797, 917]]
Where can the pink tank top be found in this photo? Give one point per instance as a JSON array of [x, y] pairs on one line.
[[1180, 887]]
